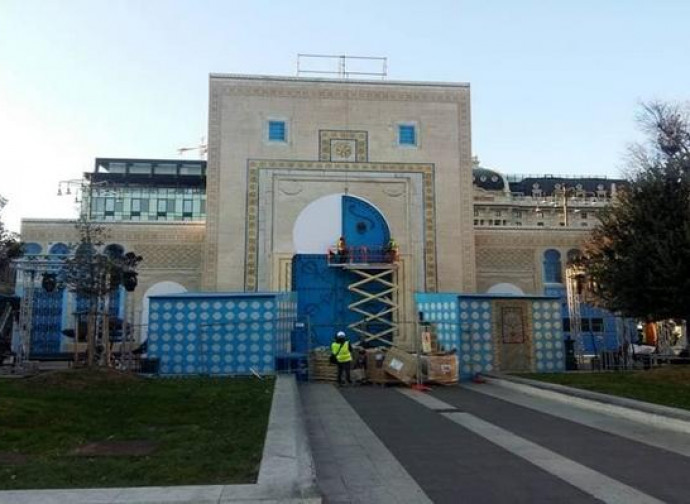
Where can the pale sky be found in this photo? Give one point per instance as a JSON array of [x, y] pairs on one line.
[[555, 85]]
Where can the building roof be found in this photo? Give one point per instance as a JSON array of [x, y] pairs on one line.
[[591, 186], [489, 180], [325, 80], [149, 172]]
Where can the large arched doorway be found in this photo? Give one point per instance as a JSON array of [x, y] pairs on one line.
[[324, 296], [326, 219]]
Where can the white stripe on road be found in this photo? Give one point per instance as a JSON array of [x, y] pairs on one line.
[[588, 480]]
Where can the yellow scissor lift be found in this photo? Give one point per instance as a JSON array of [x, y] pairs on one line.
[[378, 291]]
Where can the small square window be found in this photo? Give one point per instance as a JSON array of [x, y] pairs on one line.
[[407, 134], [277, 131]]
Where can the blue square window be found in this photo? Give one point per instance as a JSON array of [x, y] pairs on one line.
[[407, 135], [276, 131]]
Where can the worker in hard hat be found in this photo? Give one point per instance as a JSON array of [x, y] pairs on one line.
[[391, 251], [342, 355], [342, 250]]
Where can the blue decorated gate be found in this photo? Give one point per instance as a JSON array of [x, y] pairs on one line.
[[363, 225], [334, 296]]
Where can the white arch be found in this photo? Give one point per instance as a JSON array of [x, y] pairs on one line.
[[505, 288], [157, 289], [319, 224]]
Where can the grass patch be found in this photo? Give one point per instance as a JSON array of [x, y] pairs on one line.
[[668, 386], [102, 428]]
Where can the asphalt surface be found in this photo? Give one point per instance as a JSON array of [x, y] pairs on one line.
[[453, 464]]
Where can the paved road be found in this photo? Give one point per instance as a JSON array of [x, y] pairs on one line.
[[488, 445]]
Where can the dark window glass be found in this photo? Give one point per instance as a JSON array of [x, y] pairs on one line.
[[597, 325], [552, 266], [116, 167], [140, 168], [165, 169], [190, 169]]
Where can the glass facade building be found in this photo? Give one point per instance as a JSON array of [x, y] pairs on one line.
[[145, 190]]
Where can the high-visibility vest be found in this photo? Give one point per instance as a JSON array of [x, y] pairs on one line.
[[344, 354]]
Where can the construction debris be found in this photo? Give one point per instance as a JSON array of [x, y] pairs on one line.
[[387, 365]]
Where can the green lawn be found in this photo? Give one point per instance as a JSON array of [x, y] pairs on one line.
[[669, 386], [103, 428]]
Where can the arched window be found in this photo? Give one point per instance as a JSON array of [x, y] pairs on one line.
[[573, 256], [59, 249], [85, 250], [32, 248], [552, 266], [114, 251]]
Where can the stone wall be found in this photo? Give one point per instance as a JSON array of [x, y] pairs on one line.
[[171, 251], [516, 255], [317, 112]]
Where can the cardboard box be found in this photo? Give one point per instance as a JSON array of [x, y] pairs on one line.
[[400, 364], [442, 369], [376, 373]]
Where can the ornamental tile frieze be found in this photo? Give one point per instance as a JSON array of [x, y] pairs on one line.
[[456, 94]]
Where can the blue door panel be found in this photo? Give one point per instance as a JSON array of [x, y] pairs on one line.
[[363, 224]]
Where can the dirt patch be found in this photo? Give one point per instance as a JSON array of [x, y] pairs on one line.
[[82, 378], [131, 448], [13, 458], [670, 374]]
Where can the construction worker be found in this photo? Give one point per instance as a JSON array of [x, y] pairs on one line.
[[341, 353], [341, 248], [391, 251]]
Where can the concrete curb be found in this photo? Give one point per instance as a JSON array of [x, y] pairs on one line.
[[664, 417], [286, 475]]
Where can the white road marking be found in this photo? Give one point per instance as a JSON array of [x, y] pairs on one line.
[[588, 480]]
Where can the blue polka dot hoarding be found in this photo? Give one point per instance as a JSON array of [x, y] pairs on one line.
[[549, 351], [476, 340], [220, 333], [465, 323], [442, 311]]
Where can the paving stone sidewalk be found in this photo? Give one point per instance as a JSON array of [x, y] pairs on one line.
[[352, 464]]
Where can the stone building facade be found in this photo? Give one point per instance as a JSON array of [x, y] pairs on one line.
[[280, 149]]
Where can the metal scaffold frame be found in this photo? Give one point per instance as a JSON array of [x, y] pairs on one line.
[[573, 297], [30, 271], [373, 277]]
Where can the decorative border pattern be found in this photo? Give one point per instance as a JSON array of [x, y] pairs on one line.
[[525, 305], [394, 91], [361, 139], [254, 166]]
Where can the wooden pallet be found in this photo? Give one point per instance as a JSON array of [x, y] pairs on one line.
[[320, 367]]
